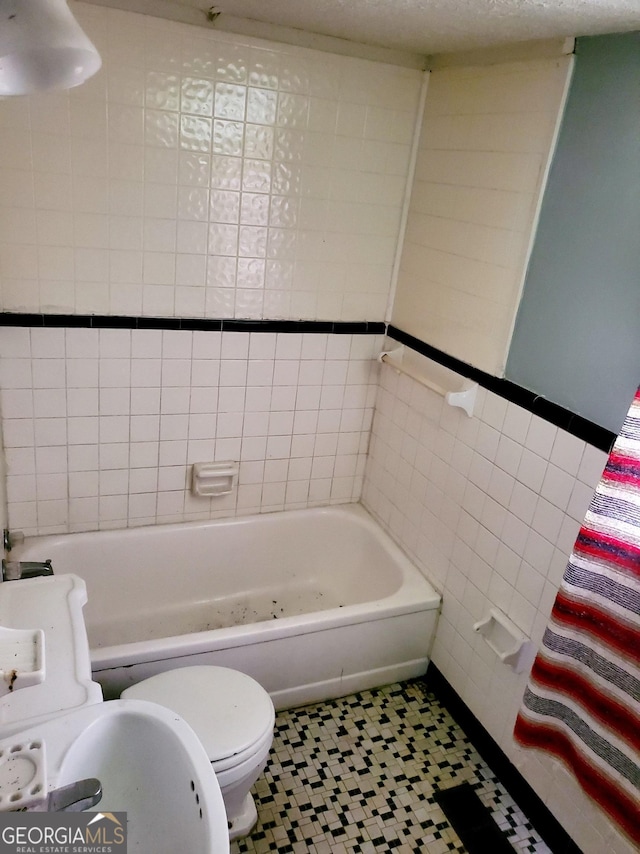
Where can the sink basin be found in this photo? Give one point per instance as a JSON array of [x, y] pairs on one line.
[[55, 731], [151, 765]]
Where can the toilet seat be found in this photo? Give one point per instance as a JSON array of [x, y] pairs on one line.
[[234, 718], [230, 712]]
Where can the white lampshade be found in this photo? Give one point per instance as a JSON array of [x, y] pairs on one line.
[[42, 47]]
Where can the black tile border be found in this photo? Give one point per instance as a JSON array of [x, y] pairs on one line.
[[472, 821], [205, 324], [542, 819], [578, 426]]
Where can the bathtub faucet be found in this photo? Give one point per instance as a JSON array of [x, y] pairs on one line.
[[14, 570]]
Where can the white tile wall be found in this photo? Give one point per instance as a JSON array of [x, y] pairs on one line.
[[489, 508], [101, 426], [202, 174], [486, 139]]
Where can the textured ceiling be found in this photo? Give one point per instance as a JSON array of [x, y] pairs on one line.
[[417, 26]]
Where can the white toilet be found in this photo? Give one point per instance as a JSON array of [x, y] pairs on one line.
[[233, 716]]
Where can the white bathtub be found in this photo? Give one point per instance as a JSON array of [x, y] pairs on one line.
[[313, 603]]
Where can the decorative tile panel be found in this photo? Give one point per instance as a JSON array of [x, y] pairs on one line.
[[177, 107]]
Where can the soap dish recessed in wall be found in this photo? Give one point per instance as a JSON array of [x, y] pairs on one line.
[[464, 397], [507, 641], [213, 479]]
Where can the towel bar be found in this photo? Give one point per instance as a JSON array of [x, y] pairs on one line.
[[464, 398]]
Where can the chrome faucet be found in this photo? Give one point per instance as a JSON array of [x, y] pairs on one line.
[[14, 570], [74, 797]]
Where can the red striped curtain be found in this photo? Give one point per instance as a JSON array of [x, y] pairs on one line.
[[582, 702]]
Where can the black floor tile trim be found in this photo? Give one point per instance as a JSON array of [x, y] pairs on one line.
[[472, 821], [549, 828]]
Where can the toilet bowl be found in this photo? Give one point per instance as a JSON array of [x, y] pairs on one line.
[[233, 716]]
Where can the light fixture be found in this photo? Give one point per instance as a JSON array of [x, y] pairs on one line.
[[42, 47]]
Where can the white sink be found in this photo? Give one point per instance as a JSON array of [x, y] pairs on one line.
[[150, 763], [55, 730]]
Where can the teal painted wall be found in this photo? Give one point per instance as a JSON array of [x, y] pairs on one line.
[[577, 334]]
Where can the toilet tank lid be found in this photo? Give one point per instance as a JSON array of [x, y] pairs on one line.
[[228, 710]]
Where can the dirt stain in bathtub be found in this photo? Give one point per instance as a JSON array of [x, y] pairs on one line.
[[241, 615], [275, 616]]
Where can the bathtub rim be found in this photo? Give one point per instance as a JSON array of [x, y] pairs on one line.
[[416, 593], [103, 658]]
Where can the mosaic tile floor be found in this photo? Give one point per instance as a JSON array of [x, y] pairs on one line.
[[358, 774]]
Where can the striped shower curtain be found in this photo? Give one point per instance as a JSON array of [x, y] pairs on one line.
[[582, 702]]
